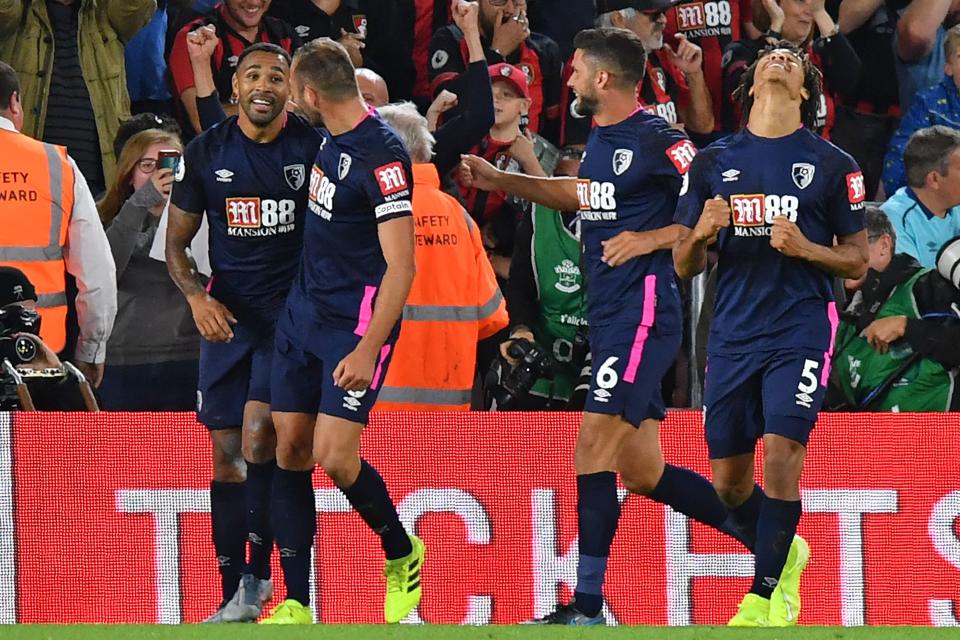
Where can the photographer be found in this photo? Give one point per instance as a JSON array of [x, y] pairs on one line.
[[898, 344], [545, 302], [29, 355]]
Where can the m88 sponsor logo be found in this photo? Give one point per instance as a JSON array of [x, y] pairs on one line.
[[597, 200], [259, 217], [702, 19], [752, 214]]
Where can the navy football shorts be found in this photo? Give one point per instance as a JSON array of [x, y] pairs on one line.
[[751, 394], [231, 373], [303, 364], [629, 361]]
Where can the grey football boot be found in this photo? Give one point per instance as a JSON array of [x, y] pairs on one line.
[[246, 605]]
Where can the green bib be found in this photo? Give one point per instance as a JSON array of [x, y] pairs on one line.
[[926, 386], [556, 266]]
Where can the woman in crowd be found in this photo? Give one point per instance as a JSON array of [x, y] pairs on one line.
[[153, 351]]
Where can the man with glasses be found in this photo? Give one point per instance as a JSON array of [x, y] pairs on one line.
[[673, 87], [772, 199], [506, 37], [50, 227]]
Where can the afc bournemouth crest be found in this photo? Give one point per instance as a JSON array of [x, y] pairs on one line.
[[343, 167], [360, 24], [621, 160], [529, 72], [802, 174], [295, 175]]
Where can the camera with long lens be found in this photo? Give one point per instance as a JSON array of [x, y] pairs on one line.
[[18, 349], [533, 363]]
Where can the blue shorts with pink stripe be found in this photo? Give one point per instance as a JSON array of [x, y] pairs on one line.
[[304, 359], [629, 361]]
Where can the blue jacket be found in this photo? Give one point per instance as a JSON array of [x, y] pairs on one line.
[[936, 105]]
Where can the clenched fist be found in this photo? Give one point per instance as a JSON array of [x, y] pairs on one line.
[[715, 216], [787, 238]]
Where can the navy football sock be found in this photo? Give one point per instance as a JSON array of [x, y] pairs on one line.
[[294, 517], [598, 512], [229, 533], [369, 496], [259, 481], [775, 530], [742, 521]]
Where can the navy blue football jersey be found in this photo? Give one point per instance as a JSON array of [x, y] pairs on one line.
[[254, 196], [631, 174], [766, 300], [359, 179]]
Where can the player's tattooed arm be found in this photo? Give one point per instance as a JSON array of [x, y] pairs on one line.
[[690, 250], [556, 193], [633, 244], [847, 258], [355, 372], [212, 318]]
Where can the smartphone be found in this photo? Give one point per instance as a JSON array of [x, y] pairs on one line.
[[168, 159]]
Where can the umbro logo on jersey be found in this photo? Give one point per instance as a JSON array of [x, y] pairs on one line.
[[622, 158], [802, 174], [233, 60], [224, 175], [302, 30], [731, 175]]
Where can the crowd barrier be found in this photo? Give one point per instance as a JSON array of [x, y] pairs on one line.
[[105, 518]]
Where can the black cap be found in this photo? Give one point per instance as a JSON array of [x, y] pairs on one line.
[[15, 287], [606, 6]]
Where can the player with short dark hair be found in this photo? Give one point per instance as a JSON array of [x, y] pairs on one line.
[[626, 193], [336, 334], [772, 198], [248, 174]]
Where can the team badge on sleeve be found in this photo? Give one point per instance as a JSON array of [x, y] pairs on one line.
[[391, 178], [856, 189], [681, 155]]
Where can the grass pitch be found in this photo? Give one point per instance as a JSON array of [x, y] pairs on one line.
[[437, 632]]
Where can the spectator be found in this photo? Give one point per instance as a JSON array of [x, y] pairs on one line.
[[419, 20], [673, 86], [475, 115], [937, 105], [867, 112], [546, 295], [154, 349], [373, 87], [142, 122], [147, 66], [73, 101], [506, 37], [366, 28], [794, 21], [454, 302], [918, 45], [711, 25], [51, 228], [507, 148], [924, 212], [898, 343], [236, 27]]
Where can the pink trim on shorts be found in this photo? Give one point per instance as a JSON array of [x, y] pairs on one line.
[[384, 352], [210, 285], [834, 320], [366, 311], [643, 331]]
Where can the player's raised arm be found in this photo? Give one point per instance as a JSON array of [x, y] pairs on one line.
[[559, 194], [356, 371], [690, 250], [213, 320]]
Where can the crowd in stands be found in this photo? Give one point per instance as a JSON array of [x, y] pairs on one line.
[[118, 82]]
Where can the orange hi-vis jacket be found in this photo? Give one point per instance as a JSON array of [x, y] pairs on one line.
[[454, 303], [36, 202]]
